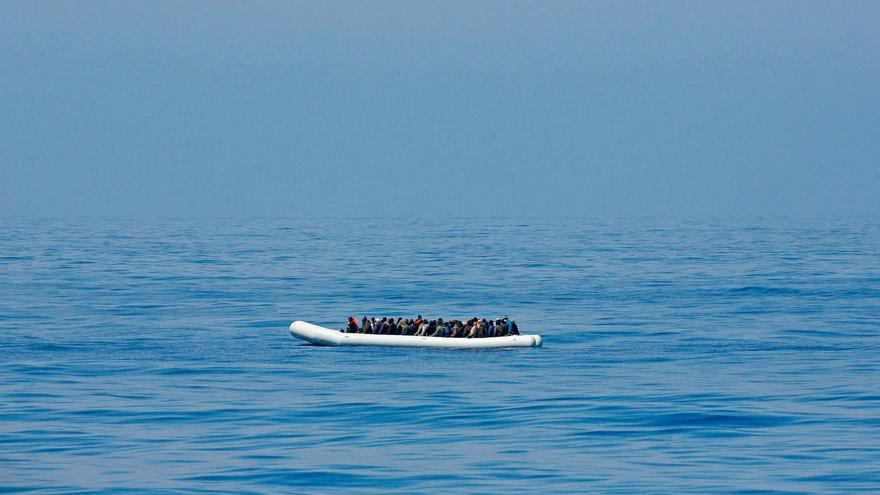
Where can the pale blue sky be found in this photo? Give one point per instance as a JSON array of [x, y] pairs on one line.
[[439, 108]]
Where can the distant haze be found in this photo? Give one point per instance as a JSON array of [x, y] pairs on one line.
[[603, 109]]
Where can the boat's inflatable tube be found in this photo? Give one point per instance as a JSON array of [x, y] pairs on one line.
[[325, 336]]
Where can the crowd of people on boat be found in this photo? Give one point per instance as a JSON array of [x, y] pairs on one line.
[[422, 327]]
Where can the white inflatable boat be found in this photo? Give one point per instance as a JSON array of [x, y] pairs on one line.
[[325, 336]]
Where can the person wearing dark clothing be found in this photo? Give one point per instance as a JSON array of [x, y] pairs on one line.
[[441, 329], [352, 325], [500, 328], [458, 330]]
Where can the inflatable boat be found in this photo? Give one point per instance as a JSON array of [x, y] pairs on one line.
[[325, 336]]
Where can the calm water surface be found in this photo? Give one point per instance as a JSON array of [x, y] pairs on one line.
[[710, 356]]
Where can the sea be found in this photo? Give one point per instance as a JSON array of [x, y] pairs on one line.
[[733, 355]]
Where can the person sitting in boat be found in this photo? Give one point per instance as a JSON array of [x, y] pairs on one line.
[[423, 329], [474, 331], [440, 329], [512, 328], [500, 328], [454, 329], [352, 325], [392, 326]]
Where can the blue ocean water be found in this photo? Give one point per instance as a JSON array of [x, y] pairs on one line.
[[679, 357]]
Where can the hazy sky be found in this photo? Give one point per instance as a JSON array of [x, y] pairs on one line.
[[607, 109]]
